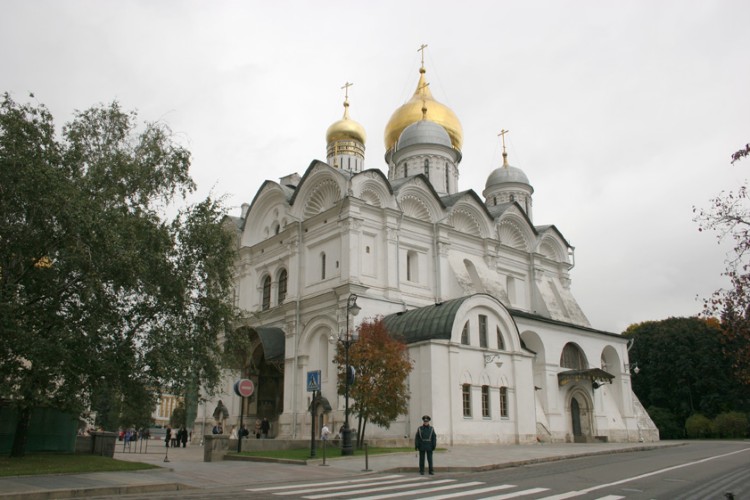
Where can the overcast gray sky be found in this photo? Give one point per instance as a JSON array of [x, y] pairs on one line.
[[622, 114]]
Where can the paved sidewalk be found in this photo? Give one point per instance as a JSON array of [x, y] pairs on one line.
[[185, 469]]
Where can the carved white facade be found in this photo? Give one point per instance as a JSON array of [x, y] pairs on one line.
[[502, 351]]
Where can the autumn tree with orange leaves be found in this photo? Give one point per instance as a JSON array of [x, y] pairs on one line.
[[382, 365]]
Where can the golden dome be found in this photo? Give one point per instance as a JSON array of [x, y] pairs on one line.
[[411, 112], [346, 129]]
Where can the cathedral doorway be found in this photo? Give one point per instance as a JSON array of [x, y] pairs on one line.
[[267, 374], [580, 418], [575, 413]]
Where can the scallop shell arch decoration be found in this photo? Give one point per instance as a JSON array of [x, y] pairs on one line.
[[413, 206], [509, 235], [465, 222], [323, 196], [550, 250], [371, 197]]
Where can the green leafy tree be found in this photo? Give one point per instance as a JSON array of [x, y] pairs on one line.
[[683, 367], [380, 392], [97, 283]]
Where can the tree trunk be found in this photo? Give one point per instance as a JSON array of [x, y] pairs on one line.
[[18, 450], [361, 433]]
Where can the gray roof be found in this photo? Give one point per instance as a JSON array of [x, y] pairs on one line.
[[425, 323], [273, 342]]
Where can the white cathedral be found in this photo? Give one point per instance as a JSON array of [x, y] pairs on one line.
[[502, 352]]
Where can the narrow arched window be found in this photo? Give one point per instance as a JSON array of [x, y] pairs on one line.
[[500, 341], [427, 167], [447, 189], [465, 334], [323, 266], [482, 330], [282, 286], [266, 293]]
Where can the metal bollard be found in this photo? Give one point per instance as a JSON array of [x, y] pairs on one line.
[[367, 460], [325, 444]]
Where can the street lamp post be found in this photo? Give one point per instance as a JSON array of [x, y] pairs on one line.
[[347, 340]]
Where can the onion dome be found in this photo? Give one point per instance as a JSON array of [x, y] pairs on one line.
[[423, 132], [509, 184], [346, 129], [411, 112], [506, 174]]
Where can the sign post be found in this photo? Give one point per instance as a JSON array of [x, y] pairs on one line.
[[313, 385], [243, 388]]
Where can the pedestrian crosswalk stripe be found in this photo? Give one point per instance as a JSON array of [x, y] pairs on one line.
[[372, 490], [330, 483], [517, 494], [351, 486], [424, 490], [473, 492]]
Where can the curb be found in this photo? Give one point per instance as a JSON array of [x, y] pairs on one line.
[[95, 491], [530, 461]]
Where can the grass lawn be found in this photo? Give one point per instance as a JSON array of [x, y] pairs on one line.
[[53, 463], [331, 452]]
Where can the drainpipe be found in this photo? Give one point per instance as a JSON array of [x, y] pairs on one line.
[[297, 333]]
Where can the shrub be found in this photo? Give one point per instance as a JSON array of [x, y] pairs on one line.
[[731, 424], [698, 426], [668, 424]]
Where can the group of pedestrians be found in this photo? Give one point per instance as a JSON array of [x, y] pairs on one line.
[[175, 437]]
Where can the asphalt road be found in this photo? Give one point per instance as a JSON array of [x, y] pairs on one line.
[[697, 470]]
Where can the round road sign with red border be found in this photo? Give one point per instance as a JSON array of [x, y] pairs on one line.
[[244, 387]]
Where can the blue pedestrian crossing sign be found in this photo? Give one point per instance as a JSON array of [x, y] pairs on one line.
[[313, 381]]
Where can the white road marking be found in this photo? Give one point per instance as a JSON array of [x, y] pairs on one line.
[[368, 490], [473, 492], [332, 483], [426, 490], [572, 494], [517, 494]]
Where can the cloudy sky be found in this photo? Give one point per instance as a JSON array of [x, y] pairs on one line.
[[622, 114]]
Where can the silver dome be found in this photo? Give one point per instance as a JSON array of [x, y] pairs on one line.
[[507, 175], [424, 132]]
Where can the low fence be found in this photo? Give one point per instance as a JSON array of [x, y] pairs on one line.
[[216, 446]]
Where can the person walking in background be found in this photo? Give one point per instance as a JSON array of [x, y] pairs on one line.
[[425, 442], [174, 438], [265, 428], [126, 440], [257, 428], [183, 436], [167, 436]]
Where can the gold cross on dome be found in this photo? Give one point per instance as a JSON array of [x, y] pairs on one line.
[[421, 49], [345, 88]]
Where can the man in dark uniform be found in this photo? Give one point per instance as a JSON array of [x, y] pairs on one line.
[[425, 441]]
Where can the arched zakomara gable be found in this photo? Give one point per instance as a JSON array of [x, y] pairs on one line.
[[264, 365], [320, 189], [267, 211]]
